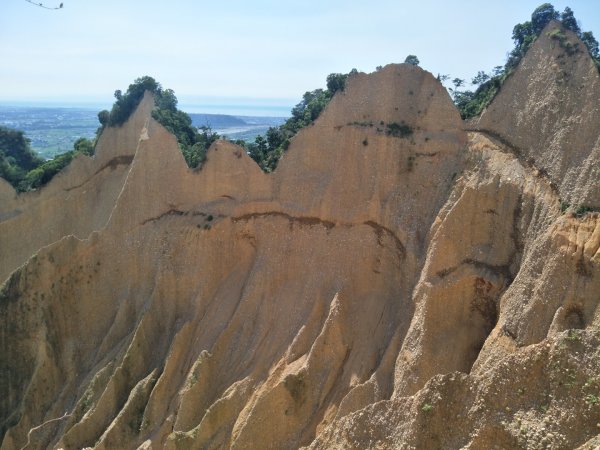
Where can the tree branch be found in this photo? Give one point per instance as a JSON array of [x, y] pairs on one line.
[[41, 5]]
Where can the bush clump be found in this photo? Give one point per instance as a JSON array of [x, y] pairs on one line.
[[401, 130], [16, 156], [24, 169]]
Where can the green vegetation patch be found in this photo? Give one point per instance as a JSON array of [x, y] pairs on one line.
[[16, 156], [569, 47], [23, 169], [578, 210]]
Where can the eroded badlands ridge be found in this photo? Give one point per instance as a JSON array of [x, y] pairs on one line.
[[375, 291]]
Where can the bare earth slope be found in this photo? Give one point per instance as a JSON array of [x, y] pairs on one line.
[[376, 291]]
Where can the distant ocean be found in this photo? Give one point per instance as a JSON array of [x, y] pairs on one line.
[[232, 107]]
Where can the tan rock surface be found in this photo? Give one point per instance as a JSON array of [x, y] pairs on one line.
[[375, 291]]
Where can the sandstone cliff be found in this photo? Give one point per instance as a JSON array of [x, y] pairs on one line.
[[549, 110], [378, 290]]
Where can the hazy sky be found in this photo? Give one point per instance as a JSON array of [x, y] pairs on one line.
[[245, 52]]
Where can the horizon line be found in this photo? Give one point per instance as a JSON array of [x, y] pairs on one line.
[[230, 109]]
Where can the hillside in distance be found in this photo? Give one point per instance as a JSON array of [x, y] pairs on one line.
[[402, 280]]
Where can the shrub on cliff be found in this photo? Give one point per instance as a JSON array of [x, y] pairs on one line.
[[16, 156], [21, 167], [126, 103], [45, 171], [24, 169], [267, 150], [193, 142], [412, 59]]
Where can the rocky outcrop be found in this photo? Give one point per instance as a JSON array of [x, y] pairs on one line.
[[548, 109], [397, 282]]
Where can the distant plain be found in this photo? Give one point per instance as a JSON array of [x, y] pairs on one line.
[[53, 130]]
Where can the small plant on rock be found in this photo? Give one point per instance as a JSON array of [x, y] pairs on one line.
[[426, 407], [401, 130]]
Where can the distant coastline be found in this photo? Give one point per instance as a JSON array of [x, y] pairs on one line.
[[232, 107], [53, 127]]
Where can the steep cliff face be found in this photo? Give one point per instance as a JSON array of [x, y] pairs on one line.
[[397, 282], [549, 111], [78, 202]]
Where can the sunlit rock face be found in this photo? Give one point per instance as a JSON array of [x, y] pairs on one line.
[[397, 282]]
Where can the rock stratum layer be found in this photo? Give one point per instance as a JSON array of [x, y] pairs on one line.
[[416, 291]]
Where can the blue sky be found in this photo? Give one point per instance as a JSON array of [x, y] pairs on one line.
[[237, 53]]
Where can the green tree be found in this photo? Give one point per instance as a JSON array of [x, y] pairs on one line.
[[16, 156], [259, 151], [522, 32], [457, 82], [591, 43], [84, 146], [128, 102], [26, 171], [336, 82], [568, 20], [480, 78], [276, 137], [46, 170], [195, 154], [267, 151], [541, 16], [42, 174], [104, 117], [192, 142], [412, 59], [166, 99], [15, 146]]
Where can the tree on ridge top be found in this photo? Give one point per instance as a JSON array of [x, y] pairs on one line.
[[412, 59]]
